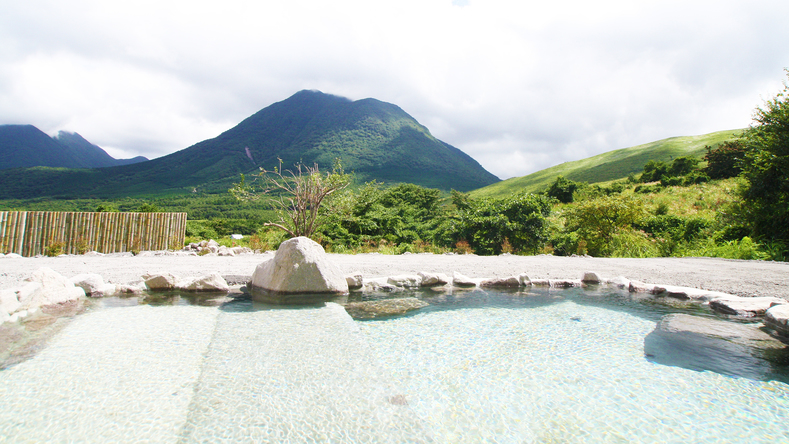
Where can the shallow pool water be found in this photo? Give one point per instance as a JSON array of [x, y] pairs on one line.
[[535, 367]]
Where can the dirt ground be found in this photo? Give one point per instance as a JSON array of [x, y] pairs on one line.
[[744, 278]]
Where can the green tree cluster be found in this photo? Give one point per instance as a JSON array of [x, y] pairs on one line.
[[766, 169]]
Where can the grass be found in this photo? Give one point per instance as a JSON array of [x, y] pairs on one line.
[[612, 165]]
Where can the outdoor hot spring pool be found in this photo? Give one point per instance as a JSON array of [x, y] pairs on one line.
[[476, 366]]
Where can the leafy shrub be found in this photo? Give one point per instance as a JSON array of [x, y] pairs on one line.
[[597, 220], [55, 249]]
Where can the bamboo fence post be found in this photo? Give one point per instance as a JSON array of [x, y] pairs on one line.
[[3, 224]]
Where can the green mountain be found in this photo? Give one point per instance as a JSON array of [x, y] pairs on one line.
[[92, 155], [612, 165], [374, 139], [24, 146]]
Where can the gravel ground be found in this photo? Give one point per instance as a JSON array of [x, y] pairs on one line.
[[744, 278]]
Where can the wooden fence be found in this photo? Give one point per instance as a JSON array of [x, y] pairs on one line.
[[30, 233]]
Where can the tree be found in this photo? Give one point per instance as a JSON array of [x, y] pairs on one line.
[[562, 189], [296, 196], [725, 160], [520, 221], [766, 169]]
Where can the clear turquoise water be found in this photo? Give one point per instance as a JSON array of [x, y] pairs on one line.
[[474, 367]]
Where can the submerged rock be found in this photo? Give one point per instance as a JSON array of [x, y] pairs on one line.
[[299, 266], [726, 347], [384, 307]]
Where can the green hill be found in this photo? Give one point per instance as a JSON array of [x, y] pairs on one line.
[[613, 165], [374, 139]]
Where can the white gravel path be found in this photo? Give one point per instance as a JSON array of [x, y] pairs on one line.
[[744, 278]]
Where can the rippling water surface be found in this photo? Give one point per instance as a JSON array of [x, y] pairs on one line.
[[474, 367]]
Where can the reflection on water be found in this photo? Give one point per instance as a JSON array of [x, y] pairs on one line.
[[530, 365]]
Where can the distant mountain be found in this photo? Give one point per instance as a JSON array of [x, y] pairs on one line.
[[93, 155], [23, 146], [374, 139], [612, 165]]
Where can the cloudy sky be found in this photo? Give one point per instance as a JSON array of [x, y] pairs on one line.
[[518, 85]]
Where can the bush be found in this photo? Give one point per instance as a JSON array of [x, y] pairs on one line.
[[597, 220]]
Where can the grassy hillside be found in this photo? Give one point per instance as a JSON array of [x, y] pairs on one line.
[[609, 166]]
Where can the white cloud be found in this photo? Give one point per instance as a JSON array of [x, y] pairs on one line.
[[517, 85]]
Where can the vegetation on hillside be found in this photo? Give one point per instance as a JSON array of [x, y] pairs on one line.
[[612, 165], [732, 203]]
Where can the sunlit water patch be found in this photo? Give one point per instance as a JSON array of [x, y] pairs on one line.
[[564, 372], [533, 367]]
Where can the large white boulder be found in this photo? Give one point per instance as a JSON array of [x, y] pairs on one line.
[[160, 281], [300, 265], [48, 287], [9, 302], [212, 282], [94, 285]]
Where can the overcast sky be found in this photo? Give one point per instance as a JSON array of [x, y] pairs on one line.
[[518, 85]]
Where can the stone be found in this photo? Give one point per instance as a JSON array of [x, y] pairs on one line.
[[94, 285], [702, 343], [131, 289], [507, 282], [405, 280], [777, 318], [374, 286], [355, 280], [383, 307], [459, 280], [160, 281], [746, 307], [540, 283], [300, 265], [212, 282], [433, 279], [641, 287], [47, 287], [9, 302], [224, 251], [591, 277], [241, 250], [564, 283], [618, 282], [524, 279]]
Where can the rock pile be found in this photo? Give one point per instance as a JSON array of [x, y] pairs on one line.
[[212, 248]]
